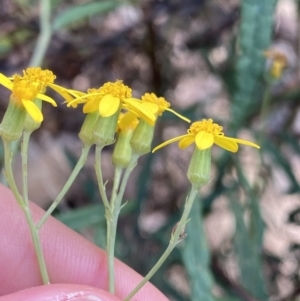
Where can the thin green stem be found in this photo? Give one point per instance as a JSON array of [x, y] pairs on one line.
[[112, 221], [37, 245], [176, 236], [112, 216], [126, 176], [9, 173], [45, 34], [80, 163], [99, 176], [24, 154], [14, 148], [33, 230]]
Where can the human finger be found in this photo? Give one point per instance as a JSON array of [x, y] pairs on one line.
[[69, 257], [60, 292]]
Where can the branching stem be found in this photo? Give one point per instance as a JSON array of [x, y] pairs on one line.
[[80, 163], [176, 236]]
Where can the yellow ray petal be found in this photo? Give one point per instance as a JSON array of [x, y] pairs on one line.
[[109, 105], [4, 81], [228, 145], [47, 99], [178, 115], [74, 102], [152, 107], [62, 92], [169, 142], [204, 140], [241, 141], [187, 141], [140, 110], [91, 106], [33, 110], [75, 93], [127, 120]]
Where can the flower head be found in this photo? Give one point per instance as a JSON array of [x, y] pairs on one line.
[[150, 99], [25, 89], [278, 62], [31, 85], [204, 134], [109, 98], [42, 78]]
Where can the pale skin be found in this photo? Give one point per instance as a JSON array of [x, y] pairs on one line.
[[76, 267]]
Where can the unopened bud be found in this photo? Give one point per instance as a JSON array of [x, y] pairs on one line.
[[200, 167], [87, 128], [105, 128], [122, 152], [142, 138], [12, 125]]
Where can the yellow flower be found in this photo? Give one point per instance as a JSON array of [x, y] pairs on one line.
[[204, 134], [24, 91], [278, 62], [45, 78], [143, 135], [109, 98], [42, 78], [148, 99], [32, 85], [127, 122]]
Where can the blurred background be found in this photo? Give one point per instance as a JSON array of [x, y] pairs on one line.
[[236, 62]]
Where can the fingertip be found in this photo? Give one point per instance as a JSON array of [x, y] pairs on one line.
[[61, 292]]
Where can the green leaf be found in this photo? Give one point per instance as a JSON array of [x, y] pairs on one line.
[[255, 36], [248, 246], [80, 12], [83, 217], [196, 257]]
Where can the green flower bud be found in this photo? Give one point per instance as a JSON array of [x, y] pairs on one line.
[[122, 152], [200, 167], [87, 128], [105, 128], [142, 138], [12, 125], [31, 125]]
